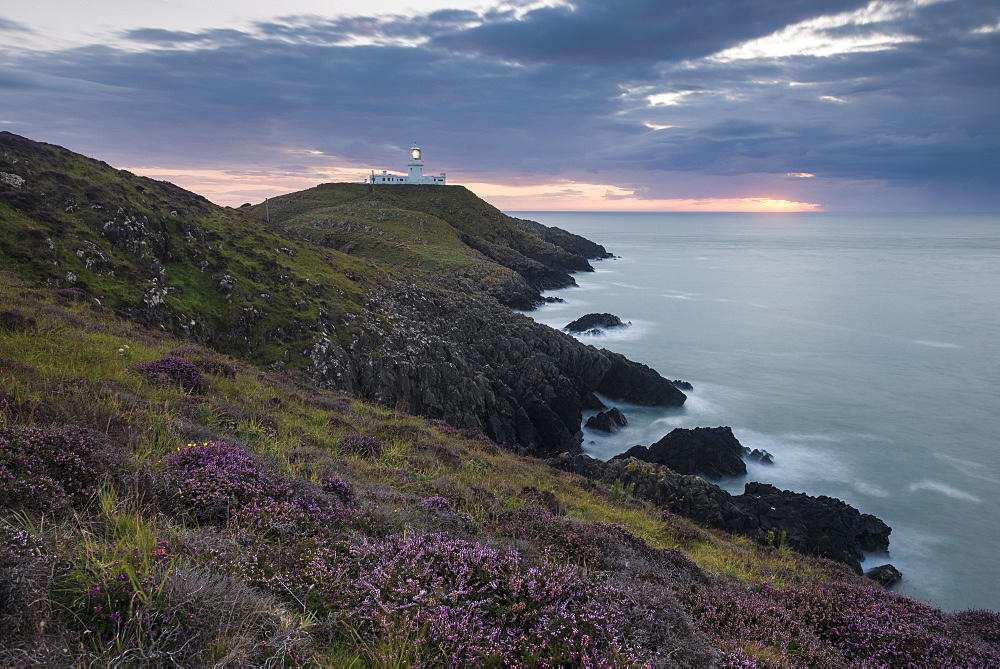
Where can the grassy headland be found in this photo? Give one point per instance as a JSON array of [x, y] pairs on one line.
[[192, 495]]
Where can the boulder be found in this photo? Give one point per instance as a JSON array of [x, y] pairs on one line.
[[609, 421], [885, 574], [713, 452], [595, 322]]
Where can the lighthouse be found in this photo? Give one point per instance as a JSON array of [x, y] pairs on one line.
[[414, 175]]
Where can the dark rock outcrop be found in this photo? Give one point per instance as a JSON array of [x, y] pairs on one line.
[[636, 383], [821, 526], [475, 364], [885, 574], [594, 323], [707, 451], [609, 421]]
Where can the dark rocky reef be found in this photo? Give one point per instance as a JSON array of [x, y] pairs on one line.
[[708, 451], [594, 323], [609, 421], [473, 363], [821, 526]]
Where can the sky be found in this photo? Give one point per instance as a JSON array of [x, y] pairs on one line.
[[617, 105]]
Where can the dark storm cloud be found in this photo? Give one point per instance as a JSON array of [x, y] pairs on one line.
[[596, 31], [553, 92]]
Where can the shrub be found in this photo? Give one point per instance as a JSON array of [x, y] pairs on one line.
[[172, 371], [362, 444], [48, 469], [210, 480], [338, 487], [25, 578], [983, 623]]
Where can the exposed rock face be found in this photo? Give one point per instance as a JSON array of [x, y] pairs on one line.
[[609, 421], [473, 363], [821, 526], [708, 451], [757, 455], [594, 323]]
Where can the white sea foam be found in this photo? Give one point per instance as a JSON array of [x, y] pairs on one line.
[[944, 489], [870, 489], [972, 469], [935, 344]]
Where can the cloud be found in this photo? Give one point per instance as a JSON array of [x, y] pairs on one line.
[[639, 90], [7, 25]]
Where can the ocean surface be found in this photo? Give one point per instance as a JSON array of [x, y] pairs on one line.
[[861, 351]]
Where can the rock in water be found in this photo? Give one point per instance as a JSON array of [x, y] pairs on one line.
[[594, 323], [819, 525], [885, 574], [607, 421], [707, 451]]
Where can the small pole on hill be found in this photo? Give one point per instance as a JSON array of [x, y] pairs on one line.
[[267, 210], [371, 183]]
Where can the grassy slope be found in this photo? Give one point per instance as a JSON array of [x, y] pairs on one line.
[[100, 576]]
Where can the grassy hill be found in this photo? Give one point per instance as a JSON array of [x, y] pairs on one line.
[[165, 503]]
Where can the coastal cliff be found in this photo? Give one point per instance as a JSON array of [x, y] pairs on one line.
[[307, 433], [400, 296]]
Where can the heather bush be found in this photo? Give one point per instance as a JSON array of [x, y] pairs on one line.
[[289, 521], [48, 469], [338, 487], [563, 539], [465, 604], [983, 623], [172, 371], [872, 626], [210, 480], [362, 444]]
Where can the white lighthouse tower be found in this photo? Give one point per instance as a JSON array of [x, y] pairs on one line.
[[415, 172]]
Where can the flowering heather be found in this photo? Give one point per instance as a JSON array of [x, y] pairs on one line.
[[981, 622], [435, 504], [832, 625], [47, 469], [171, 370], [337, 486], [288, 522], [362, 444], [212, 479]]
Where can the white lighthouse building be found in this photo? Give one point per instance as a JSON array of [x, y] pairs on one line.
[[415, 173]]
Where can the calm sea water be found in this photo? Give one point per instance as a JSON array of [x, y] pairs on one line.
[[862, 351]]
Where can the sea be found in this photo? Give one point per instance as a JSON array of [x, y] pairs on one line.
[[861, 351]]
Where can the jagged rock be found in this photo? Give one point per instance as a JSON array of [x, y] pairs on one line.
[[885, 574], [594, 323], [553, 300], [708, 451], [609, 421], [821, 526], [758, 455], [636, 383]]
